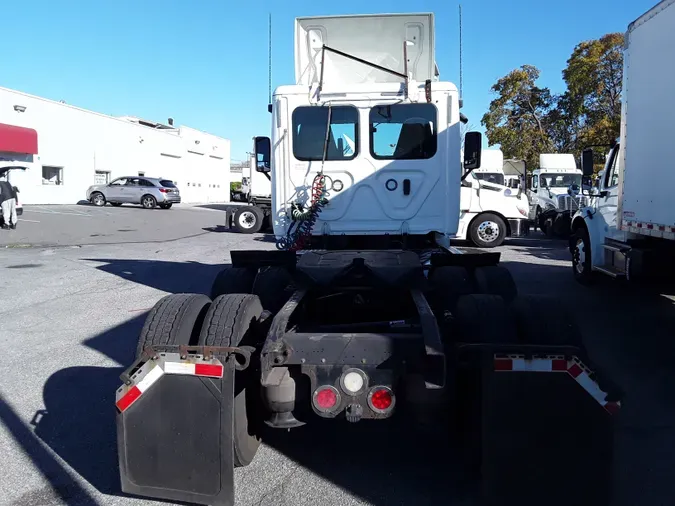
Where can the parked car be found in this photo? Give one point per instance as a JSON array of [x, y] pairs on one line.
[[148, 192], [8, 170]]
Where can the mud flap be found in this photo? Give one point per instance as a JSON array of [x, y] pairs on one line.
[[544, 438], [175, 440]]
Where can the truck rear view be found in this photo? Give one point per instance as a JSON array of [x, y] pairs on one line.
[[364, 313]]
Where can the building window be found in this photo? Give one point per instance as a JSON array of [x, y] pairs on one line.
[[403, 131], [52, 175], [101, 177], [309, 133], [141, 174]]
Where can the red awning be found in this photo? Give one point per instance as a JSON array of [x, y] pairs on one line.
[[16, 139]]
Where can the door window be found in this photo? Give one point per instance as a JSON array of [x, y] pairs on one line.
[[613, 174], [119, 182], [146, 183], [403, 131], [309, 133], [133, 181]]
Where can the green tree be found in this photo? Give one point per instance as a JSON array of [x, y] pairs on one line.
[[518, 118], [591, 107]]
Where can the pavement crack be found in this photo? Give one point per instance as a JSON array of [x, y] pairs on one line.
[[281, 488]]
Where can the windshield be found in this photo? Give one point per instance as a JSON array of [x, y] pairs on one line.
[[560, 180], [490, 177]]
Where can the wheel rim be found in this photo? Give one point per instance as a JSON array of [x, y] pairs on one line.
[[488, 231], [579, 258], [147, 202], [247, 219], [98, 199]]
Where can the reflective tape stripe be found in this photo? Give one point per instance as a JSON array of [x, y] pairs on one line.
[[574, 368], [179, 368], [154, 374], [128, 399]]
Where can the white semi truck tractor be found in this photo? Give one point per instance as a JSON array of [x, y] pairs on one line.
[[551, 204], [490, 211], [364, 313], [628, 231]]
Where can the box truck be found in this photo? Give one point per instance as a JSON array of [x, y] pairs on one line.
[[628, 230]]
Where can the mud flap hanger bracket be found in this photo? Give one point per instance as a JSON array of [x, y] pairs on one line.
[[241, 362]]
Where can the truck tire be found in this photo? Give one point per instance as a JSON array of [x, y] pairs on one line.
[[545, 320], [272, 286], [233, 280], [248, 219], [449, 284], [229, 323], [581, 256], [487, 230], [176, 319], [496, 280], [484, 318]]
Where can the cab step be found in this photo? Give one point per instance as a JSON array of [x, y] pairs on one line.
[[610, 270]]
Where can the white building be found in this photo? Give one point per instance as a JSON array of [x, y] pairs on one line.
[[67, 149]]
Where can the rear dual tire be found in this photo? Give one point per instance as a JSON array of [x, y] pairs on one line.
[[189, 319]]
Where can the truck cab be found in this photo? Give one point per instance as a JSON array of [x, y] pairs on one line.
[[550, 201], [354, 150], [489, 210]]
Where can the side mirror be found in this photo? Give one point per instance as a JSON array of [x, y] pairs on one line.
[[473, 142], [587, 162], [263, 148]]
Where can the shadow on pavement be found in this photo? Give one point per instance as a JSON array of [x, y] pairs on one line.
[[172, 277], [383, 465], [78, 421]]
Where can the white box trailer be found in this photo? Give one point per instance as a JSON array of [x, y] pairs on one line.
[[629, 228]]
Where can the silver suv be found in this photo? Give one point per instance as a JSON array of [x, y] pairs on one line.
[[149, 192]]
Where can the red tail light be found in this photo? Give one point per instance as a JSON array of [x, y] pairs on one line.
[[164, 190], [381, 399], [326, 398]]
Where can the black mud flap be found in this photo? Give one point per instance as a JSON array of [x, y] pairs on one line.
[[175, 440], [544, 439]]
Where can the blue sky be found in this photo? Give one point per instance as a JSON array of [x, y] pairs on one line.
[[204, 62]]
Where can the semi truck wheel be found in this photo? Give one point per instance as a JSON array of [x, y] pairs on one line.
[[248, 219], [496, 280], [484, 318], [487, 230], [545, 320], [449, 284], [176, 319], [233, 280], [229, 322], [272, 286]]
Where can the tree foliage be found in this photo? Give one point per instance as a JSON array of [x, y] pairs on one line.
[[527, 120], [517, 118]]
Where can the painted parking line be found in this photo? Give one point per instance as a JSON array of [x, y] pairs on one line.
[[29, 221]]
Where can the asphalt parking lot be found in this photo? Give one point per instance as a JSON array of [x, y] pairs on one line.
[[77, 282]]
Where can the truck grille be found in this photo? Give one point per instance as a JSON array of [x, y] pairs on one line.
[[569, 203]]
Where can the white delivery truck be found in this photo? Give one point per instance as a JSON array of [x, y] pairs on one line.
[[628, 231], [364, 313], [551, 204], [489, 210]]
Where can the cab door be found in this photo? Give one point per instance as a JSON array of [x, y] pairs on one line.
[[608, 200]]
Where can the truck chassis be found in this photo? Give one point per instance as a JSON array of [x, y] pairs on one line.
[[290, 338]]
